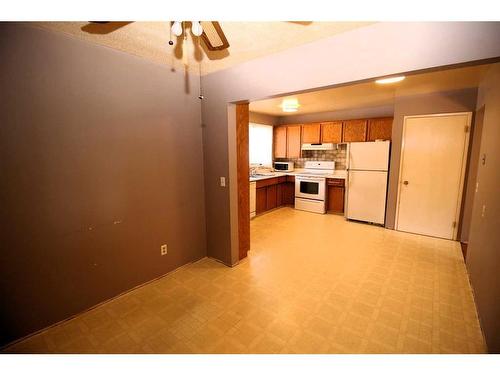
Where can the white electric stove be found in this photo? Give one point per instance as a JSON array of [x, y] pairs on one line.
[[310, 186]]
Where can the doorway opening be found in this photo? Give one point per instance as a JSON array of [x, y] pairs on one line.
[[324, 125]]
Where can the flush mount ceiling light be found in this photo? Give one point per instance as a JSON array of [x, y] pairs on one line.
[[290, 105], [384, 81]]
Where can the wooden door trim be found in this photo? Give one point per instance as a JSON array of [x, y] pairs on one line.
[[465, 153], [242, 163]]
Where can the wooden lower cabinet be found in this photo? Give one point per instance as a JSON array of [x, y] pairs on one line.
[[335, 198], [271, 197], [288, 193], [275, 192], [261, 200], [279, 195]]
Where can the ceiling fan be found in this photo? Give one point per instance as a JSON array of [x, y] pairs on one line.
[[210, 31]]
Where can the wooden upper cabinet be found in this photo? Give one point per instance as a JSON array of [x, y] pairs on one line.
[[380, 128], [279, 139], [311, 133], [331, 132], [293, 141], [354, 130]]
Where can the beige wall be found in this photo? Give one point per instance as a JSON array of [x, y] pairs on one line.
[[261, 118], [346, 114], [471, 175], [442, 102], [101, 162], [361, 54], [483, 254]]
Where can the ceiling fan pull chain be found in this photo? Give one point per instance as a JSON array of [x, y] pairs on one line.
[[201, 97], [170, 41], [184, 45]]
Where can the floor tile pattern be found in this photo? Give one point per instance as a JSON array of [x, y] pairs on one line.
[[311, 284]]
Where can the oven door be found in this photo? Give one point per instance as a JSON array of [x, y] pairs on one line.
[[310, 187]]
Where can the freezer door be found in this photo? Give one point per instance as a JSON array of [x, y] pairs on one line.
[[366, 196], [369, 155]]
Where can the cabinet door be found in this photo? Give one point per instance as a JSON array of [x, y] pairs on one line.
[[289, 193], [331, 132], [293, 141], [311, 133], [354, 131], [261, 200], [336, 199], [279, 137], [380, 128], [279, 194], [271, 197]]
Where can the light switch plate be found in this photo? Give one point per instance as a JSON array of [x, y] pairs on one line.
[[223, 181]]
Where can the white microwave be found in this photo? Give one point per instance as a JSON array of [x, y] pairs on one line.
[[283, 166]]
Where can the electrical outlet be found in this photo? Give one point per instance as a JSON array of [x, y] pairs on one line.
[[163, 249], [223, 181]]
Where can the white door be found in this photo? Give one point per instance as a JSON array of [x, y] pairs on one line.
[[366, 196], [432, 173], [369, 155]]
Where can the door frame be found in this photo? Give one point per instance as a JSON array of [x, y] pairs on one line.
[[462, 171]]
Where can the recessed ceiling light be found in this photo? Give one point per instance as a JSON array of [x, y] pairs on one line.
[[383, 81], [290, 105]]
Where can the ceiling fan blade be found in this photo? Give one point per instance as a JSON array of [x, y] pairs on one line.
[[103, 27], [213, 36]]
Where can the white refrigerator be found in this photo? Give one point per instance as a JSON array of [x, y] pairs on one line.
[[368, 165]]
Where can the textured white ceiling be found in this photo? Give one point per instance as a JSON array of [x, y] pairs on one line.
[[248, 40]]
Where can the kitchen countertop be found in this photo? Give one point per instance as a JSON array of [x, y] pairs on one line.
[[336, 174]]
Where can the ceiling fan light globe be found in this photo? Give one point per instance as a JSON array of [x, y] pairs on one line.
[[196, 28], [177, 28]]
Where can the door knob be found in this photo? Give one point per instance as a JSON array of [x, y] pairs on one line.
[[405, 182]]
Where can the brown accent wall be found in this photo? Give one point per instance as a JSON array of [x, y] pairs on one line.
[[483, 251], [100, 163], [360, 54], [441, 102]]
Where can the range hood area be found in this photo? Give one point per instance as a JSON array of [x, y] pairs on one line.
[[317, 146]]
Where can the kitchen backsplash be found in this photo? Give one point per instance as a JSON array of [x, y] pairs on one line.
[[339, 156]]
